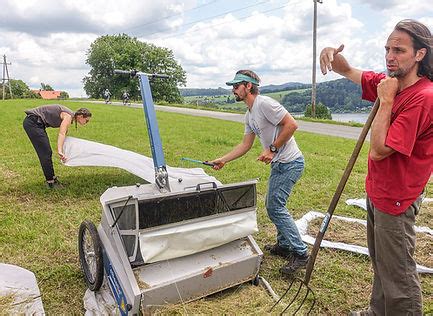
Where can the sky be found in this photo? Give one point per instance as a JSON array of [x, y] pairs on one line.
[[47, 41]]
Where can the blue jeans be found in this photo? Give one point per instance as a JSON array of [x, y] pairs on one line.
[[283, 178]]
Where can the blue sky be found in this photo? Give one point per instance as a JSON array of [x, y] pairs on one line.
[[47, 40]]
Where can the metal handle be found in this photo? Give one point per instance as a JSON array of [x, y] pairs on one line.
[[134, 73], [339, 191], [214, 185], [207, 163]]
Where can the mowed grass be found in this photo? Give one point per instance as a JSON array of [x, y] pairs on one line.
[[38, 227]]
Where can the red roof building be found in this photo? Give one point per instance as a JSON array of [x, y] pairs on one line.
[[48, 95]]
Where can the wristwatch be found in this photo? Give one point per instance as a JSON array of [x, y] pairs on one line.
[[273, 149]]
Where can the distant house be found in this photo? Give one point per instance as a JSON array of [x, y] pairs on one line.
[[48, 95]]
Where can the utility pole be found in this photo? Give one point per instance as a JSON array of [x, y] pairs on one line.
[[5, 77], [313, 86]]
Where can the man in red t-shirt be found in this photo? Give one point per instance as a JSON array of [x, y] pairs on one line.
[[399, 162]]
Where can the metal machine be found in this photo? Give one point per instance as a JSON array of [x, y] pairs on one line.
[[173, 241]]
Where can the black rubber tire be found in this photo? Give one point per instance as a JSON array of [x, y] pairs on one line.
[[256, 280], [93, 282]]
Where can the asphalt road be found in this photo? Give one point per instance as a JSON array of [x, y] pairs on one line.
[[318, 128]]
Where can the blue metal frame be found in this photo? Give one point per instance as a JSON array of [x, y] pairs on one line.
[[161, 175], [151, 122], [115, 286]]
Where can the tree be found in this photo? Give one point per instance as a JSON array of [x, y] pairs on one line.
[[64, 95], [322, 112], [19, 90], [46, 87], [120, 51]]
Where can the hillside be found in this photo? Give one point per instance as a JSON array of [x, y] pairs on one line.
[[339, 95], [190, 92]]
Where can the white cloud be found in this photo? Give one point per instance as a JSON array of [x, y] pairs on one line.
[[47, 40], [279, 48]]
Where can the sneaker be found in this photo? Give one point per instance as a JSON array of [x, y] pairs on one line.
[[365, 312], [277, 250], [55, 184], [298, 262]]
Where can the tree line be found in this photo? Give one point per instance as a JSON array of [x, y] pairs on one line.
[[20, 90], [339, 96]]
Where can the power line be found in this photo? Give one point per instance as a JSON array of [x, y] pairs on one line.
[[171, 16], [208, 18], [222, 23]]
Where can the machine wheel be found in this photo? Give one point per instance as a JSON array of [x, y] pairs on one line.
[[256, 280], [89, 249]]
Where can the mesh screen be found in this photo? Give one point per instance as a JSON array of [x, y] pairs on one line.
[[173, 209]]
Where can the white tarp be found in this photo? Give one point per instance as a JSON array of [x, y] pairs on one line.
[[21, 287], [303, 222], [362, 203], [80, 152], [190, 238], [100, 302]]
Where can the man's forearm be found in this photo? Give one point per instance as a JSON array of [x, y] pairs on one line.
[[342, 67], [237, 152]]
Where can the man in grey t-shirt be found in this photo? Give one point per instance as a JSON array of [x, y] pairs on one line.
[[274, 126]]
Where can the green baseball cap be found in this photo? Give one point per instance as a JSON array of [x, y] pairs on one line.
[[242, 78]]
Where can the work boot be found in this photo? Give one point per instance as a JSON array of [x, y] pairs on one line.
[[298, 262], [277, 250]]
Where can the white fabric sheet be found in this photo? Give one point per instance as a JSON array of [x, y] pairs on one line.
[[190, 238], [101, 302], [362, 203], [82, 152], [21, 285], [303, 222]]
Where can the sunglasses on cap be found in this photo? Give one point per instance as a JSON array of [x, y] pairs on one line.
[[236, 85]]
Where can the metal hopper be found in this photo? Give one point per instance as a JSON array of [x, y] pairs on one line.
[[173, 241]]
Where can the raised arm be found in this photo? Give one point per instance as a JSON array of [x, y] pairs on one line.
[[332, 60], [386, 92], [63, 130], [236, 152]]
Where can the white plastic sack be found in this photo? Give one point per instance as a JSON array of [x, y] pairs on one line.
[[101, 302], [21, 286], [80, 152], [303, 222], [187, 239]]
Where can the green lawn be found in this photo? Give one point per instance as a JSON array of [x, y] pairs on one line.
[[38, 227]]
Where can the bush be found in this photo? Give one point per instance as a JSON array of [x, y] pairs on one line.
[[64, 95], [322, 112]]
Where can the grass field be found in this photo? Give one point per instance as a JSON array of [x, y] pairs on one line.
[[38, 227]]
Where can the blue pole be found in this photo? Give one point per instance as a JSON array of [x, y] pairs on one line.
[[152, 123]]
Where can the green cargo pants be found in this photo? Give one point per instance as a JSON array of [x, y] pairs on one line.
[[391, 243]]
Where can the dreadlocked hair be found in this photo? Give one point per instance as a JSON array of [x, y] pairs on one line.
[[421, 38], [83, 112]]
